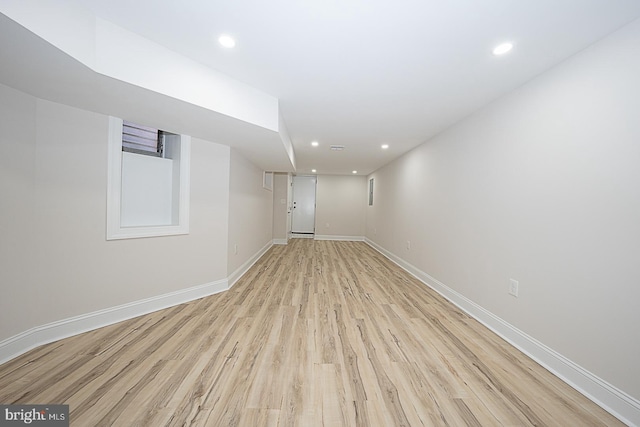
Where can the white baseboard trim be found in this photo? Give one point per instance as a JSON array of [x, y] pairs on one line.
[[615, 401], [341, 238], [240, 271], [44, 334], [280, 241]]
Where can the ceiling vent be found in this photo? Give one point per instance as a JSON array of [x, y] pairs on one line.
[[337, 147]]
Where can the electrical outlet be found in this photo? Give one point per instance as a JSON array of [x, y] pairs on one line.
[[235, 249], [408, 244], [327, 225], [375, 231], [513, 287]]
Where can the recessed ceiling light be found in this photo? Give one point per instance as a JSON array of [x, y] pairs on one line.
[[354, 171], [227, 41], [315, 143], [503, 48], [313, 170], [384, 146]]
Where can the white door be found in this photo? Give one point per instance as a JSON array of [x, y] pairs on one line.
[[304, 205]]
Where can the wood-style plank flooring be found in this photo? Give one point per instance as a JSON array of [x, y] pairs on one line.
[[317, 333]]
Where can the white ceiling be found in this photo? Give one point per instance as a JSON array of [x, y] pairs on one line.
[[361, 73]]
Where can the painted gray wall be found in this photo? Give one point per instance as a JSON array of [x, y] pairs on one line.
[[541, 186], [280, 210], [55, 262], [17, 210], [340, 203], [250, 212]]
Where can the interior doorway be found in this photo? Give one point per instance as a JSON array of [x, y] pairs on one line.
[[303, 220]]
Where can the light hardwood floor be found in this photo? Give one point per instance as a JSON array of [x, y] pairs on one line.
[[317, 333]]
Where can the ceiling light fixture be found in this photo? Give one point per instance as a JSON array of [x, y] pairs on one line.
[[503, 48], [354, 171], [384, 146], [226, 41], [313, 170], [315, 143]]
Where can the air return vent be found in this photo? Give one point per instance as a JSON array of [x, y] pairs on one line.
[[337, 147]]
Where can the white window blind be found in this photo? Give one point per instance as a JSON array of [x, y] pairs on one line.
[[141, 139]]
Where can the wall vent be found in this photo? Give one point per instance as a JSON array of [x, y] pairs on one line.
[[337, 147]]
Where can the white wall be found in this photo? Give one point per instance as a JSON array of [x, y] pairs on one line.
[[55, 261], [250, 212], [541, 186], [340, 206]]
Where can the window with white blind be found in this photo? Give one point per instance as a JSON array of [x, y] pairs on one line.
[[148, 185]]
